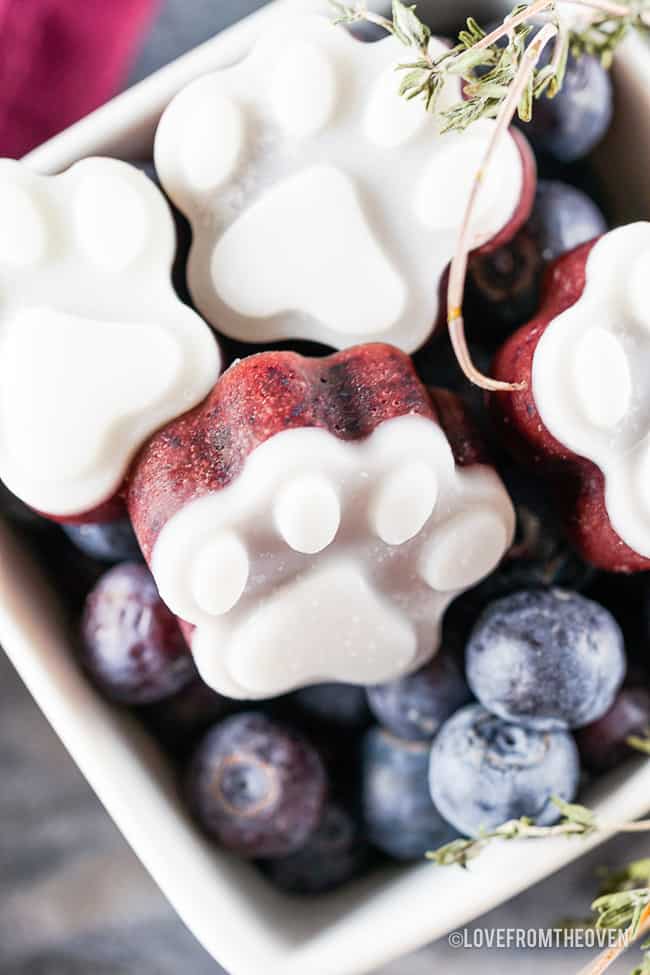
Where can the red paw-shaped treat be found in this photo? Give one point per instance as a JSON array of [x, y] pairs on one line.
[[313, 518], [583, 418]]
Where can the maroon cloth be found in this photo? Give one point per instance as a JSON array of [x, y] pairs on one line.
[[59, 60]]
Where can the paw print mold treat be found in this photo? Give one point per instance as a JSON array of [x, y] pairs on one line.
[[311, 520], [324, 206], [584, 417], [96, 351]]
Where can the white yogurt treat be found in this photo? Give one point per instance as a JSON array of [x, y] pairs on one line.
[[324, 206], [328, 559], [590, 377], [96, 350]]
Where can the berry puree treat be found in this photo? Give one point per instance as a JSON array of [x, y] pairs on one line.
[[96, 351], [313, 518], [301, 166], [583, 417]]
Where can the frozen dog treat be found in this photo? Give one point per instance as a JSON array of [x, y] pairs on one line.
[[324, 206], [96, 351], [584, 416], [313, 518]]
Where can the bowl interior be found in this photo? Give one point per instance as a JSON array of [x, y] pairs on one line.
[[228, 906]]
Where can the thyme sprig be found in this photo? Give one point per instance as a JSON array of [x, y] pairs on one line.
[[576, 821], [629, 913], [623, 902], [488, 63], [634, 874], [502, 77], [603, 35]]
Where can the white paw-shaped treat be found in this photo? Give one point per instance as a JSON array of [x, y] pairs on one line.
[[96, 350], [330, 560], [323, 205], [590, 377]]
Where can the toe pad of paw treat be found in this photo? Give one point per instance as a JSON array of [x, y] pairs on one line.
[[585, 412], [311, 521], [96, 351], [302, 166]]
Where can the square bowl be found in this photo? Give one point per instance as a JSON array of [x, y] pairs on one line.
[[239, 919]]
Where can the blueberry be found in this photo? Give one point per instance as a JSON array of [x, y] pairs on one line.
[[399, 816], [563, 217], [257, 786], [414, 707], [110, 541], [485, 771], [570, 125], [132, 646], [339, 748], [603, 743], [546, 658], [503, 287], [335, 853], [340, 706]]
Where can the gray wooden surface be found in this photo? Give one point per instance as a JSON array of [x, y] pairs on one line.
[[73, 898]]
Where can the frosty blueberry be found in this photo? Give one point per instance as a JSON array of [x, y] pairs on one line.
[[485, 771], [546, 658]]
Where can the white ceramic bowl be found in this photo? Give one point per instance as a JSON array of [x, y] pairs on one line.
[[242, 922]]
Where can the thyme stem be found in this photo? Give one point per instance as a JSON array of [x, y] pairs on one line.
[[607, 957], [458, 271], [637, 826], [537, 7], [377, 19]]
